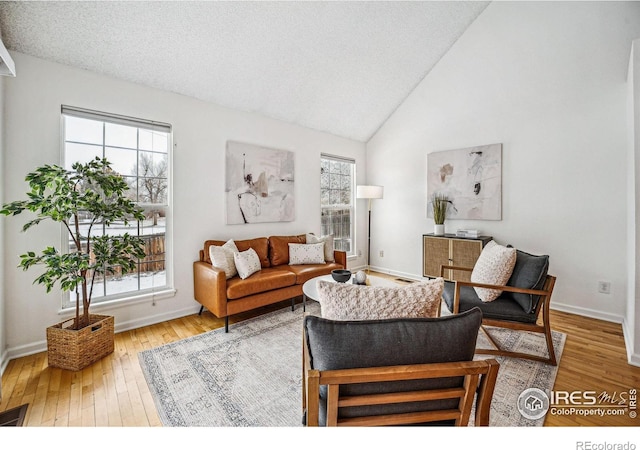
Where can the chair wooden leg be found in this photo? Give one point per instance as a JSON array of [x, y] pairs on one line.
[[550, 349], [485, 394], [312, 397], [547, 331], [499, 351], [226, 324]]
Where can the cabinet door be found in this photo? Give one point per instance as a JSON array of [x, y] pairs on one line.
[[435, 254], [464, 253]]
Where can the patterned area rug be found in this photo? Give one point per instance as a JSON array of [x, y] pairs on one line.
[[251, 376]]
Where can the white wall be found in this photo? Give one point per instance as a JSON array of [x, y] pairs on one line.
[[201, 130], [632, 317], [3, 337], [548, 81]]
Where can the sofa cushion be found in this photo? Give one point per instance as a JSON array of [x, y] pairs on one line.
[[530, 272], [222, 257], [329, 246], [207, 252], [502, 308], [279, 248], [260, 245], [342, 301], [494, 266], [306, 253], [306, 272], [247, 263], [372, 343], [265, 280]]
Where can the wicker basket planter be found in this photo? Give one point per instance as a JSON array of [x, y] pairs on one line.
[[76, 349]]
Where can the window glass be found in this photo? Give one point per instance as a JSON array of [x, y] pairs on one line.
[[141, 155], [337, 176], [117, 135], [78, 129]]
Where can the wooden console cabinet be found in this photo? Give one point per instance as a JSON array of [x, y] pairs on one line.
[[453, 251]]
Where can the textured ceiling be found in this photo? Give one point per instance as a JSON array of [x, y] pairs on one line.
[[338, 67]]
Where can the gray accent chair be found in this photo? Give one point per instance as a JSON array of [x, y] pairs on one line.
[[406, 371], [523, 305]]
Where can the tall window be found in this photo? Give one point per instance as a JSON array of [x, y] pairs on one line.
[[140, 151], [337, 188]]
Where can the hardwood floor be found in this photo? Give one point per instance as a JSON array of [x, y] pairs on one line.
[[594, 359], [114, 393]]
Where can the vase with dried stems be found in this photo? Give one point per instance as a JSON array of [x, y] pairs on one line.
[[439, 203]]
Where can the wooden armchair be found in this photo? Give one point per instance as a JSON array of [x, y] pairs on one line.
[[523, 305], [350, 375]]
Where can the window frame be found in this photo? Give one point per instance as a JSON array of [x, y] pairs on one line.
[[352, 205], [131, 296]]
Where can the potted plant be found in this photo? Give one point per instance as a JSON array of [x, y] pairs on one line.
[[89, 195], [439, 203]]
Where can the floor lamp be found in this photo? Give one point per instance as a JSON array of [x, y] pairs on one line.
[[369, 193]]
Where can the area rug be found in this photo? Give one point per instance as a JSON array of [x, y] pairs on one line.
[[251, 376]]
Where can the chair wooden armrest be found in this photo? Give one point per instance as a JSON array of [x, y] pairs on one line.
[[545, 292], [480, 378], [448, 267]]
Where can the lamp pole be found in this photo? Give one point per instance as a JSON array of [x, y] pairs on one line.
[[369, 193], [369, 241]]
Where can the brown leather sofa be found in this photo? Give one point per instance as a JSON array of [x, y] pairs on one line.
[[275, 282]]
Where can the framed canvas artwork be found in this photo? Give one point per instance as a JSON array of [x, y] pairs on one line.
[[259, 184], [470, 178]]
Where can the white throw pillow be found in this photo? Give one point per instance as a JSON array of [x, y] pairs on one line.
[[328, 245], [306, 253], [222, 257], [341, 301], [494, 266], [247, 263]]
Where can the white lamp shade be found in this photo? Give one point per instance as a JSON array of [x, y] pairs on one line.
[[363, 191]]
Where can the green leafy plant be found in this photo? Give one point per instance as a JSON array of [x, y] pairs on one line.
[[89, 195], [439, 203]]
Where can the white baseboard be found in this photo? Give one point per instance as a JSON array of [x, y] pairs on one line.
[[587, 312], [152, 320], [4, 362], [41, 346], [632, 357], [408, 276]]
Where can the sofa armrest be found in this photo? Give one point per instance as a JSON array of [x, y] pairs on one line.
[[340, 257], [210, 287]]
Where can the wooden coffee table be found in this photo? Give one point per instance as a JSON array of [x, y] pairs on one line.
[[310, 287]]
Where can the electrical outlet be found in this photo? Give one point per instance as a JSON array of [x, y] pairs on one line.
[[381, 253], [604, 287]]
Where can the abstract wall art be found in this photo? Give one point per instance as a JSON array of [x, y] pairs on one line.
[[259, 184], [471, 178]]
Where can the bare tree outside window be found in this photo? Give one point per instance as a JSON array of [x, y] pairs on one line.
[[151, 182]]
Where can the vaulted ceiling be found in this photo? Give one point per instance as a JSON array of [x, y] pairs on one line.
[[338, 67]]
